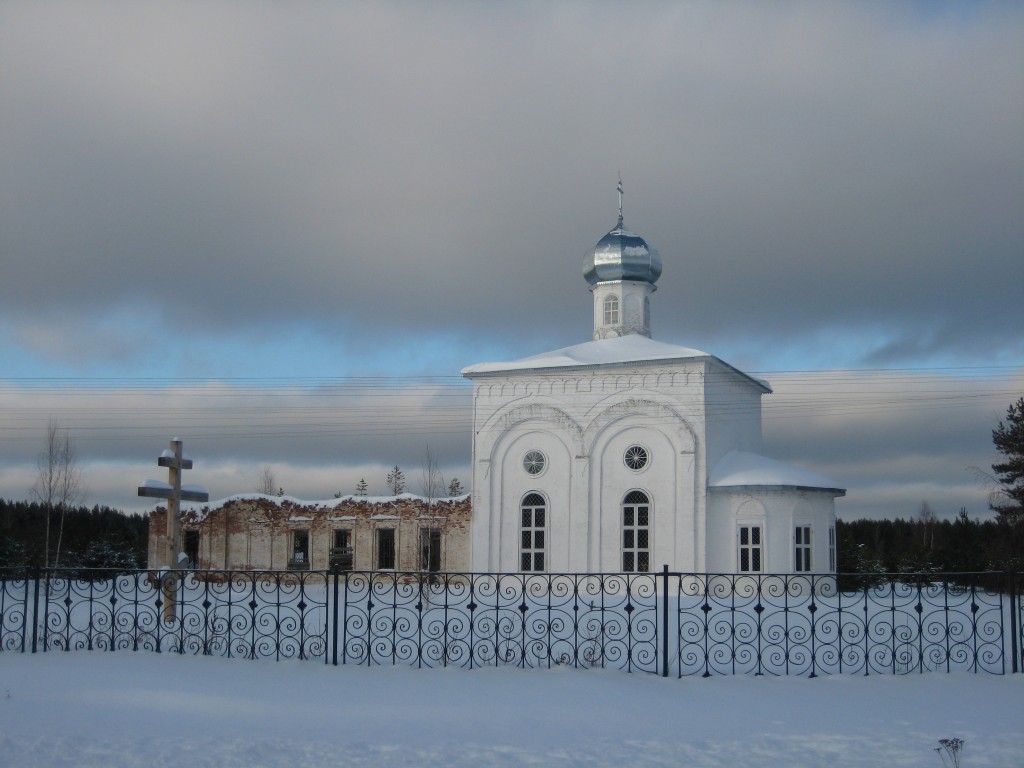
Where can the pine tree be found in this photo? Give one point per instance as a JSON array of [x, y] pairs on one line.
[[1008, 501], [455, 487], [361, 487], [396, 481]]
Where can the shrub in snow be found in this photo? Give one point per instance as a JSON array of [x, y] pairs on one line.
[[949, 751]]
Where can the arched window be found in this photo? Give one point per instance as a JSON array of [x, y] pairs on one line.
[[636, 533], [611, 309], [533, 510]]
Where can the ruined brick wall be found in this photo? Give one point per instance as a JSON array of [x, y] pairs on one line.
[[157, 537], [262, 532]]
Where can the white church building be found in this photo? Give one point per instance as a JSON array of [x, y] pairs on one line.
[[624, 453]]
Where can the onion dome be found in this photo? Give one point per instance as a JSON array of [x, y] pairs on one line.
[[621, 255]]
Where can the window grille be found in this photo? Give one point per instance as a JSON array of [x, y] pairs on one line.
[[802, 551], [531, 551], [750, 549], [636, 533], [635, 457], [342, 554], [534, 462]]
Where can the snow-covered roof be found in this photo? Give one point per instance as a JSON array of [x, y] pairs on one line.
[[740, 469], [623, 350], [201, 509]]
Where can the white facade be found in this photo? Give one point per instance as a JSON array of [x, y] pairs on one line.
[[625, 453]]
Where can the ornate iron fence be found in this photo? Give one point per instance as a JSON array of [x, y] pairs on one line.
[[666, 623]]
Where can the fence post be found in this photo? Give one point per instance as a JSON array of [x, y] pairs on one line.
[[1014, 629], [334, 622], [35, 609], [664, 622]]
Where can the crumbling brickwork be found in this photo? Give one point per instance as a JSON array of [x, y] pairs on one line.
[[404, 533]]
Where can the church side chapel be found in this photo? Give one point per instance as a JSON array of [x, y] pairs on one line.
[[620, 454], [259, 532], [624, 453]]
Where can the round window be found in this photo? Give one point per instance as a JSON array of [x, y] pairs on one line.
[[636, 457], [533, 462]]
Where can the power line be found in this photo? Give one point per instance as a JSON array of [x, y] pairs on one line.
[[321, 407]]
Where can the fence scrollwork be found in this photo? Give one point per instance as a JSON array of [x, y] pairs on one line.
[[678, 624]]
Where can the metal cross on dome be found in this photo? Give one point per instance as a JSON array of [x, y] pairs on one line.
[[619, 187]]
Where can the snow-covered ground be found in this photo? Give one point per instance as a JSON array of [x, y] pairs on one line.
[[143, 709]]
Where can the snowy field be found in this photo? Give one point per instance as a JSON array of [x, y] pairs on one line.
[[143, 709]]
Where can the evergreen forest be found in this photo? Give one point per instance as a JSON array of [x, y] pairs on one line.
[[96, 537], [102, 537], [929, 546]]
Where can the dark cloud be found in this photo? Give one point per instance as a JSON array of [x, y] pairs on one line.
[[797, 167], [212, 191]]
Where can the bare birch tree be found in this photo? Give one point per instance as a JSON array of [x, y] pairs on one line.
[[266, 483], [432, 485], [58, 483], [433, 533]]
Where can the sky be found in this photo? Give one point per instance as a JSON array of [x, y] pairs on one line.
[[279, 231]]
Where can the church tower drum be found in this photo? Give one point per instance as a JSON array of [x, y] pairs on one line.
[[621, 271]]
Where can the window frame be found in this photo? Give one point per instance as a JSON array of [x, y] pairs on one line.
[[531, 550], [378, 548], [300, 534], [535, 458], [803, 538], [349, 534], [750, 547], [431, 541], [610, 308], [191, 541], [632, 531], [632, 449]]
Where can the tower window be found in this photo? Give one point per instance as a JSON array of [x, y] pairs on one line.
[[531, 551], [611, 309], [636, 533]]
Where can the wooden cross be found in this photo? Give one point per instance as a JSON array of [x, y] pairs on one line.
[[175, 460]]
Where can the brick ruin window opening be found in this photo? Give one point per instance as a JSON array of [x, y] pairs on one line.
[[386, 549]]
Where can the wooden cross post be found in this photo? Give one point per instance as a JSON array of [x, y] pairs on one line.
[[175, 460]]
